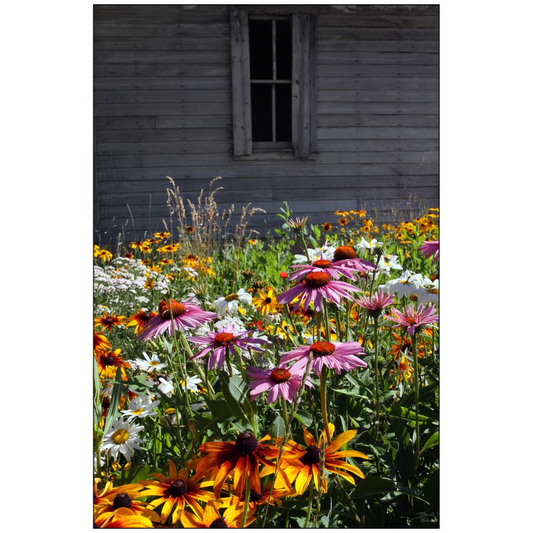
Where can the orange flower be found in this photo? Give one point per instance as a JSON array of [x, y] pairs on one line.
[[210, 517], [101, 342], [140, 319], [304, 462], [108, 363], [109, 321], [242, 456], [175, 491], [125, 518]]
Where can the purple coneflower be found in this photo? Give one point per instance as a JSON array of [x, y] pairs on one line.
[[334, 270], [412, 320], [279, 381], [224, 338], [335, 355], [175, 315], [345, 257], [376, 303], [430, 248], [314, 287]]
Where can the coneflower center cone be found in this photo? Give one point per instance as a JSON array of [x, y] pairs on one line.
[[315, 280], [280, 375], [177, 488], [320, 349], [254, 496], [122, 500], [223, 339], [344, 252], [165, 309], [108, 360], [322, 263], [246, 443]]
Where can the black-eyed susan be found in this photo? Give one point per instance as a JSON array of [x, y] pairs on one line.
[[108, 362], [124, 518], [327, 226], [109, 321], [101, 342], [169, 248], [162, 235], [210, 517], [304, 462], [242, 456], [122, 497], [176, 491], [343, 221], [140, 319], [266, 302]]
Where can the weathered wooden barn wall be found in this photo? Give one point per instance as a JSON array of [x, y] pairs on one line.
[[162, 107]]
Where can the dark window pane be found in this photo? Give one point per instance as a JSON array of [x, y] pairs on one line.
[[261, 112], [260, 49], [283, 113], [284, 49]]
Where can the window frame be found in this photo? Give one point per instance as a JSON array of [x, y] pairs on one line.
[[303, 144]]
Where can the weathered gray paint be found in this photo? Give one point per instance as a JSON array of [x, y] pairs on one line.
[[163, 106]]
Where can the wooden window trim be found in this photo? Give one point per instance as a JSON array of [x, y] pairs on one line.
[[304, 99]]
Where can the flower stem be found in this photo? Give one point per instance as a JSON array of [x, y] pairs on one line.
[[376, 377], [417, 422], [323, 400], [228, 364], [309, 505], [246, 502]]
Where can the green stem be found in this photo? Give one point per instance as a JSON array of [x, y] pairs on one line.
[[246, 502], [327, 323], [323, 401], [417, 422], [228, 364], [309, 505], [376, 377]]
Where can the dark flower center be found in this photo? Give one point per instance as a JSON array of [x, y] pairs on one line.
[[146, 316], [344, 252], [322, 263], [316, 280], [165, 309], [311, 457], [219, 522], [322, 348], [122, 500], [254, 496], [108, 320], [246, 443], [280, 375], [223, 339], [178, 488], [108, 360], [268, 300]]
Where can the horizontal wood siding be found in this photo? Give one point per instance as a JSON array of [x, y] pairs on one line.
[[162, 107]]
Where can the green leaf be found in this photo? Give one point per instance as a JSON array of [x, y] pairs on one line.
[[116, 394], [134, 475], [373, 485], [305, 418], [234, 392], [277, 429], [402, 412], [433, 440]]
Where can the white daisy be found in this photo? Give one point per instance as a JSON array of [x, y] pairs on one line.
[[150, 364], [429, 293], [325, 252], [122, 437], [365, 245], [386, 262], [405, 285], [230, 304], [141, 406]]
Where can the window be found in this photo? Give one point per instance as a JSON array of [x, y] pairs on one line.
[[273, 83]]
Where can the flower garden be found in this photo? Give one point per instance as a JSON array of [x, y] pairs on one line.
[[288, 381]]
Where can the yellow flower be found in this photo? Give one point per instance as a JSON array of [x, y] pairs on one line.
[[266, 302], [327, 226]]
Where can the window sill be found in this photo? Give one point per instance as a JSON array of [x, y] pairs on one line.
[[273, 155]]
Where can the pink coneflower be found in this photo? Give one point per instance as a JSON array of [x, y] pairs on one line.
[[430, 248], [412, 320], [334, 270], [345, 257], [335, 355], [218, 341], [279, 381], [376, 303], [175, 315], [314, 287]]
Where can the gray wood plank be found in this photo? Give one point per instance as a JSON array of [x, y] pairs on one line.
[[192, 121], [161, 44], [377, 34], [351, 95], [379, 71], [379, 84], [150, 29], [377, 133], [385, 20], [352, 57], [378, 108], [202, 57], [369, 121], [111, 83], [167, 96], [139, 110], [167, 135], [159, 70], [171, 147], [395, 45]]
